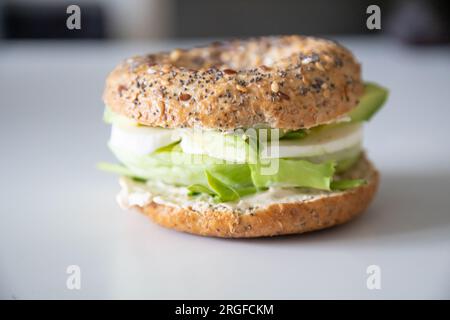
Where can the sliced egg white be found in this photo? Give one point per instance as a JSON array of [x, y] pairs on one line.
[[194, 142], [321, 141], [141, 139]]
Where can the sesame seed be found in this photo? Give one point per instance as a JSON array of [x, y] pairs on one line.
[[327, 58], [161, 105], [175, 55], [306, 60], [241, 88], [274, 87], [165, 68], [319, 66]]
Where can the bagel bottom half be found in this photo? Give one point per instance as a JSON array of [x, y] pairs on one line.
[[317, 213]]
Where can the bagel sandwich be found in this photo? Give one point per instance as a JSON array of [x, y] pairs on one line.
[[245, 138]]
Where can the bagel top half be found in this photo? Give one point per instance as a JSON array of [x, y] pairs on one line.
[[286, 82]]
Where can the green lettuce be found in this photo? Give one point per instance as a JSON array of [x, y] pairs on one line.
[[224, 181], [116, 168], [294, 173], [347, 184], [223, 191]]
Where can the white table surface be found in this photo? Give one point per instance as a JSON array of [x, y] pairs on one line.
[[57, 210]]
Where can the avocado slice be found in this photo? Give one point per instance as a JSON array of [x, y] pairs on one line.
[[372, 100]]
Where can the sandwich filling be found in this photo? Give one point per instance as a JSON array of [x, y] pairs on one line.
[[238, 169]]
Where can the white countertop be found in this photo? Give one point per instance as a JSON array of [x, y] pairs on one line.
[[57, 210]]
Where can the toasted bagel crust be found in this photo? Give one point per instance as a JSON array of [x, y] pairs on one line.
[[276, 219], [287, 82]]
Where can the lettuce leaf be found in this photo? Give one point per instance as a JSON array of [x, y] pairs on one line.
[[167, 148], [347, 184], [295, 173], [115, 168], [238, 176], [199, 188], [223, 191], [177, 168]]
